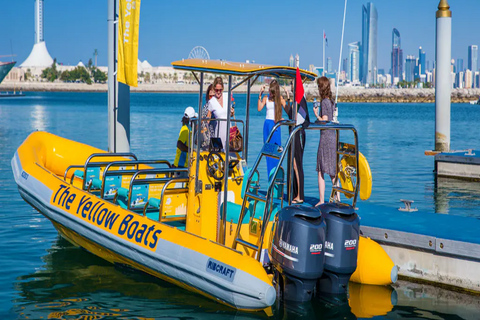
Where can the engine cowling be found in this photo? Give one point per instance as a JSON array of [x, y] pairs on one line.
[[297, 251]]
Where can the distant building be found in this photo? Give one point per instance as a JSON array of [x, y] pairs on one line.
[[368, 62], [429, 77], [410, 65], [459, 80], [468, 79], [473, 59], [39, 57], [421, 61], [297, 61], [397, 55], [291, 62], [345, 65], [459, 66], [354, 62], [329, 65]]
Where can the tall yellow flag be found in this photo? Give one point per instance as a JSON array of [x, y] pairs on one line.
[[128, 25]]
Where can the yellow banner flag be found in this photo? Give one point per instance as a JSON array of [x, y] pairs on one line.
[[128, 25]]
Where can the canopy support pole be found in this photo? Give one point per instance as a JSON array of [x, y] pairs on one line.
[[198, 188], [247, 122], [225, 177]]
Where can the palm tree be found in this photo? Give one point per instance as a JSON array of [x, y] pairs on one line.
[[95, 54]]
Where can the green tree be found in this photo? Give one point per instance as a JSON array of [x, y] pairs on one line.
[[99, 76], [51, 73]]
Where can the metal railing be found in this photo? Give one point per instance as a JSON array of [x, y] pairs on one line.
[[269, 194]]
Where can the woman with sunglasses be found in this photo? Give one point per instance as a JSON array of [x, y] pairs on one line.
[[273, 103], [217, 106], [208, 127]]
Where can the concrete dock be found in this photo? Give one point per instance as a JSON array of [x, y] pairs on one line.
[[463, 164], [438, 248]]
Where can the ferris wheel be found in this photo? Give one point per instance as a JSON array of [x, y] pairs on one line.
[[199, 52]]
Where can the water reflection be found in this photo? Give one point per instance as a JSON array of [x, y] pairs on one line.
[[456, 194], [74, 284], [38, 118]]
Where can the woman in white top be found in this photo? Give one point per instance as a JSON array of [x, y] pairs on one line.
[[218, 105], [273, 103]]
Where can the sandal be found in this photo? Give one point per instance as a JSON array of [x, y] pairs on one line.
[[297, 202]]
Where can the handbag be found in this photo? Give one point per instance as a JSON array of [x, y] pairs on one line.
[[236, 140]]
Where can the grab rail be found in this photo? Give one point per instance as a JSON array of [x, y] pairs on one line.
[[106, 172], [135, 181]]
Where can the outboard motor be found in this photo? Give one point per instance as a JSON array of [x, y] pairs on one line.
[[341, 247], [297, 251]]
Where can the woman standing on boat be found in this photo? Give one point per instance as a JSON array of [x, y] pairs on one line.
[[274, 103], [326, 154], [218, 106], [300, 140], [208, 128]]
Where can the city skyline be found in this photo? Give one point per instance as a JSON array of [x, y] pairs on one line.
[[167, 32]]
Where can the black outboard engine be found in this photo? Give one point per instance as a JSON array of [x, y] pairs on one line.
[[341, 247], [297, 251]]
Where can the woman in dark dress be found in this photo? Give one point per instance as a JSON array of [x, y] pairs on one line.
[[326, 154]]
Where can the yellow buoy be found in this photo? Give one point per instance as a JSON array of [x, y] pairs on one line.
[[364, 172], [374, 266]]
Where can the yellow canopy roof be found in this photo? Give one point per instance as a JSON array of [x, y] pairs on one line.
[[239, 68]]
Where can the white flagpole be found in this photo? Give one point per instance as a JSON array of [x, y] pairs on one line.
[[323, 37], [335, 116]]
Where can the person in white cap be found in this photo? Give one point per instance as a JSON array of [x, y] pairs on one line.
[[183, 142]]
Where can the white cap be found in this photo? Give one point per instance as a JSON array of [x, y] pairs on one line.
[[190, 112]]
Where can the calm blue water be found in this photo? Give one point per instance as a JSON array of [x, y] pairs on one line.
[[43, 276]]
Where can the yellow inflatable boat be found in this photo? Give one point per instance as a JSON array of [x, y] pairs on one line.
[[210, 228]]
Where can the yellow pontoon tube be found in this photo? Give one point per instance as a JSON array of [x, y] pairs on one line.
[[121, 236]]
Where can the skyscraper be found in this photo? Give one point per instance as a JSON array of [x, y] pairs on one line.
[[473, 58], [410, 65], [459, 66], [291, 62], [329, 65], [353, 61], [472, 61], [397, 55], [421, 61], [368, 67]]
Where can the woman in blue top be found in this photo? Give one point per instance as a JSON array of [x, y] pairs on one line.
[[273, 103]]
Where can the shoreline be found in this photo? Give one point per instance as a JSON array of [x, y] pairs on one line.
[[345, 94]]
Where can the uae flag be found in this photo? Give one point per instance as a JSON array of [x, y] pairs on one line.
[[302, 109]]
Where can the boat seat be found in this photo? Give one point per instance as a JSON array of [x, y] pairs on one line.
[[78, 174]]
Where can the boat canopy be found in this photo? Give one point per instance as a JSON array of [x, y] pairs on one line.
[[240, 68]]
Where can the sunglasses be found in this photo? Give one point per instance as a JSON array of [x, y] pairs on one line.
[[218, 90]]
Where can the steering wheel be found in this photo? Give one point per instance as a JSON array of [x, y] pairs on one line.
[[216, 165]]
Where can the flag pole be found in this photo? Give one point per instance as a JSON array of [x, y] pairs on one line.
[[323, 71], [335, 114]]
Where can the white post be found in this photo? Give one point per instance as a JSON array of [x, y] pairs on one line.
[[323, 37], [118, 116], [442, 77]]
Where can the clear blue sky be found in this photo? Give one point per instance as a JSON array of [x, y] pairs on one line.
[[264, 31]]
